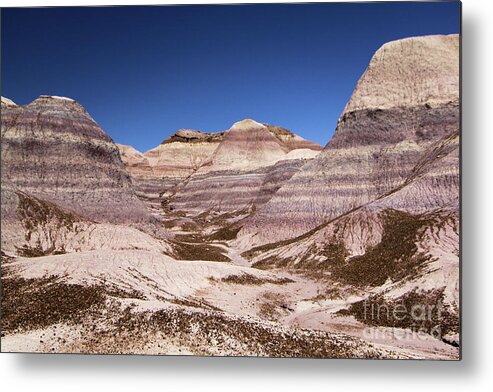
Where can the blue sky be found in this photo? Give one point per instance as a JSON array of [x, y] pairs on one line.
[[145, 72]]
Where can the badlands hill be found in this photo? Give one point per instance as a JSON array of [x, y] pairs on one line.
[[63, 178], [378, 208], [161, 169], [240, 169], [405, 103], [53, 149], [195, 172]]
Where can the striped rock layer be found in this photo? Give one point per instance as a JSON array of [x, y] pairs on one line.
[[156, 173], [405, 104], [53, 150], [195, 172], [378, 209], [246, 169], [430, 191], [401, 246]]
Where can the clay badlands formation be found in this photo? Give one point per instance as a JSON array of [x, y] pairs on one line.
[[248, 241], [226, 171]]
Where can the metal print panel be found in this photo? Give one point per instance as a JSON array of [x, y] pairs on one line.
[[258, 180]]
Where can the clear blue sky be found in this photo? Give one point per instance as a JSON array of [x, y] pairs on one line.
[[144, 72]]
